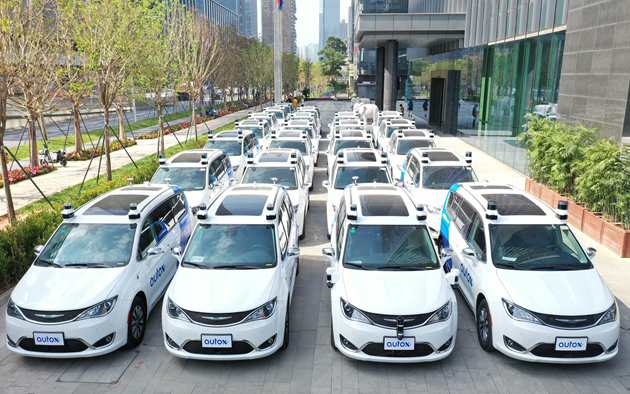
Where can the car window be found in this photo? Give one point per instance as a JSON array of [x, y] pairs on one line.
[[463, 217], [218, 168], [178, 206], [163, 216], [283, 233], [477, 238], [226, 162], [341, 213], [187, 178], [148, 238]]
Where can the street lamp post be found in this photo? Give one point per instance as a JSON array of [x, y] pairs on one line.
[[277, 54]]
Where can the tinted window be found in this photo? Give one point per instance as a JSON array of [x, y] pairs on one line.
[[477, 238], [164, 219], [285, 176], [348, 144], [242, 205], [382, 205], [117, 204], [365, 175], [232, 148], [284, 231], [178, 206], [434, 177], [463, 217], [514, 205], [405, 145], [288, 144]]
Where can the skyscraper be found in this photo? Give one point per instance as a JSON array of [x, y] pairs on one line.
[[250, 18], [343, 30], [312, 52], [329, 15], [288, 18], [238, 7]]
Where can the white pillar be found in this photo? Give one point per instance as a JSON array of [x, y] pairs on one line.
[[277, 54]]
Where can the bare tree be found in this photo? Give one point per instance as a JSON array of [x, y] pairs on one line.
[[36, 58], [257, 62]]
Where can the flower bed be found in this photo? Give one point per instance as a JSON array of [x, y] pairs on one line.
[[87, 153], [19, 175], [171, 129]]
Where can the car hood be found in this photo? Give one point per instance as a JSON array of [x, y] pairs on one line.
[[194, 198], [564, 293], [218, 291], [395, 292], [58, 289]]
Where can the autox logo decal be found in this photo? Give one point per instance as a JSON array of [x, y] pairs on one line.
[[48, 339], [215, 341], [158, 273], [400, 344], [570, 345]]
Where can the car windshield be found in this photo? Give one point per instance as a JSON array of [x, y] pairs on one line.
[[366, 175], [89, 245], [285, 176], [279, 114], [289, 144], [188, 178], [232, 148], [396, 247], [231, 246], [435, 177], [536, 247], [347, 144], [390, 129], [256, 129], [308, 129], [405, 145]]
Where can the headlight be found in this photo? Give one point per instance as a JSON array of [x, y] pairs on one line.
[[432, 209], [263, 312], [99, 310], [442, 315], [176, 312], [609, 316], [13, 310], [518, 313], [353, 313]]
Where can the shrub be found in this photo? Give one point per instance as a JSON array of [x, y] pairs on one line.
[[87, 153]]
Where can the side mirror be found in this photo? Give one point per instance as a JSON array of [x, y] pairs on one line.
[[328, 252], [176, 251], [308, 184], [398, 182], [326, 184], [211, 180], [38, 249], [233, 181], [155, 251], [446, 252], [327, 151], [453, 277], [469, 252], [294, 252], [591, 252]]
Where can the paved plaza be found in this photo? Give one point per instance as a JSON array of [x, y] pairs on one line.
[[310, 365]]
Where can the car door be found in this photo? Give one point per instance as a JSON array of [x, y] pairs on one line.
[[462, 215], [476, 263], [285, 239]]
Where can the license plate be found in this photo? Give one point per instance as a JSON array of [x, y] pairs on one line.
[[393, 343], [216, 341], [48, 338], [571, 344]]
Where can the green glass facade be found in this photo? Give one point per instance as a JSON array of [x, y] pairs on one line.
[[506, 81]]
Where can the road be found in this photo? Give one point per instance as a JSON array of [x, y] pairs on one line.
[[310, 365]]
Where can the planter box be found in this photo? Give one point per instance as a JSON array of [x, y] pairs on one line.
[[592, 225], [548, 196], [616, 239], [535, 189], [576, 215]]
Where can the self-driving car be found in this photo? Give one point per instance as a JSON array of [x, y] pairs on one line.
[[307, 125], [284, 167], [92, 286], [300, 141], [346, 139], [401, 143], [230, 298], [391, 301], [533, 288], [259, 127], [387, 127], [236, 143]]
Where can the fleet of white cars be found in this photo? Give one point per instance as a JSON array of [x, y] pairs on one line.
[[215, 236]]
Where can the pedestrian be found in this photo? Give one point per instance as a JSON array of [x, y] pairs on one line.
[[402, 109], [302, 101], [425, 107], [475, 112], [295, 103], [410, 108]]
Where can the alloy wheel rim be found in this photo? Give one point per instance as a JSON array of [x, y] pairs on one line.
[[137, 321], [483, 324]]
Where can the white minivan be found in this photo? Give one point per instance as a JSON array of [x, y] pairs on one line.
[[231, 295], [532, 287], [237, 144], [94, 283], [390, 299]]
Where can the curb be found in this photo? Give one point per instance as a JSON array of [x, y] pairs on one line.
[[4, 297]]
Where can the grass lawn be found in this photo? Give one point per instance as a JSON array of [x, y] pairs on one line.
[[58, 143]]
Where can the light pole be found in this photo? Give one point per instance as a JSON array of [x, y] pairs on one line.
[[277, 53]]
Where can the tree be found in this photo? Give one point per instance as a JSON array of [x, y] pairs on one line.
[[257, 60], [332, 57], [36, 59], [306, 73], [336, 44], [290, 71]]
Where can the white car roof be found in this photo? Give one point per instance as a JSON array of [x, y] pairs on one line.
[[275, 157], [192, 158], [381, 204], [389, 113], [399, 122], [441, 157], [231, 135], [245, 204], [361, 157], [415, 134], [514, 206]]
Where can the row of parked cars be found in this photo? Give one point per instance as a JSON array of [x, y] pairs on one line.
[[216, 232]]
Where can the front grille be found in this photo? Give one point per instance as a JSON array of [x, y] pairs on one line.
[[238, 347], [569, 321], [378, 350], [390, 320], [217, 319], [71, 346], [548, 350], [53, 316]]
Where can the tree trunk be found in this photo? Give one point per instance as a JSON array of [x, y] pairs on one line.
[[175, 102], [161, 126], [7, 187], [32, 132], [224, 98], [121, 123], [108, 162], [194, 122], [42, 127], [78, 138], [203, 105]]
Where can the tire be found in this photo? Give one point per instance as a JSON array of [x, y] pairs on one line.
[[285, 341], [332, 335], [63, 161], [484, 326], [137, 324]]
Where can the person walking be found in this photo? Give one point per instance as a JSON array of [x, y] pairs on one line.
[[425, 107], [402, 109], [475, 112], [410, 108]]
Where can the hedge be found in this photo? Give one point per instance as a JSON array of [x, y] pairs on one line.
[[17, 241]]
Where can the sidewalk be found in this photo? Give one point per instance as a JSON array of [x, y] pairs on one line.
[[611, 267], [25, 193]]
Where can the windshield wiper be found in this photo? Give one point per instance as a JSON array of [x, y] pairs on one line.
[[552, 268], [508, 266], [359, 266], [235, 266], [401, 267], [200, 266], [89, 265], [51, 263]]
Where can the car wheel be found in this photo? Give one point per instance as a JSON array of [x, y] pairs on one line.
[[484, 326], [285, 342], [136, 325], [332, 335]]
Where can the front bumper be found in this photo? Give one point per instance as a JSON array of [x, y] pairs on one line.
[[84, 338], [538, 341], [247, 338], [368, 339]]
